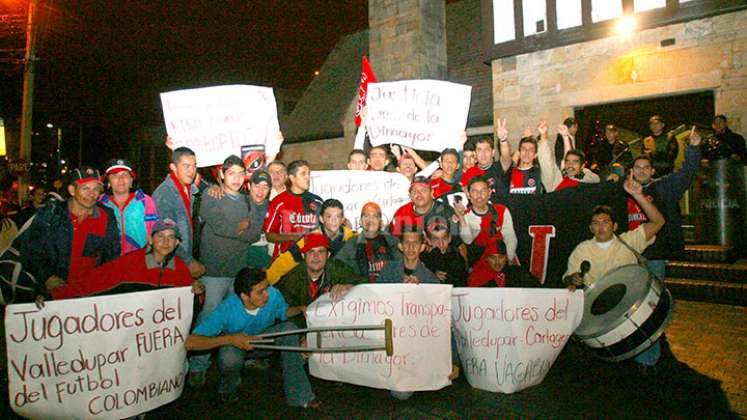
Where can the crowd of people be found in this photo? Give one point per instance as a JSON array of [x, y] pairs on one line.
[[258, 247]]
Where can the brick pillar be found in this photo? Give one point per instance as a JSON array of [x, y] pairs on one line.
[[407, 39]]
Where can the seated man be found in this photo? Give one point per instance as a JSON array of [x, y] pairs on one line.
[[606, 251], [251, 310], [410, 269], [492, 270], [316, 275], [332, 226], [153, 267], [446, 259], [373, 248]]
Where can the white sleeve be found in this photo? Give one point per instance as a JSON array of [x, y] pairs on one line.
[[551, 175], [471, 228], [509, 235], [360, 138]]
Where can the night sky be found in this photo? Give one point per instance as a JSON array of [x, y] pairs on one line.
[[102, 64]]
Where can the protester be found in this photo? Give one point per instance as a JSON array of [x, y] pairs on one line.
[[68, 239], [573, 174], [279, 174], [445, 259], [368, 252], [332, 227], [447, 182], [661, 147], [316, 275], [469, 157], [260, 252], [378, 158], [135, 211], [524, 176], [493, 270], [293, 212], [357, 160], [494, 172], [38, 197], [149, 268], [226, 236], [174, 199], [253, 308], [410, 269], [665, 193], [565, 141], [611, 155], [422, 210], [484, 222]]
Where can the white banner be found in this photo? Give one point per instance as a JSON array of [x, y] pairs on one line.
[[390, 190], [421, 114], [509, 338], [219, 121], [421, 335], [106, 357]]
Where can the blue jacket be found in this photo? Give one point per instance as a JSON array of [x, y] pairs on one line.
[[231, 317], [170, 205]]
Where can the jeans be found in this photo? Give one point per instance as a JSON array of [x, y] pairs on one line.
[[216, 289], [295, 381], [649, 357]]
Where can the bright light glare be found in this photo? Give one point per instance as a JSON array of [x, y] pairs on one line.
[[625, 25]]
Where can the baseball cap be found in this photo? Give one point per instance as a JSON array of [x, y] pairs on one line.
[[260, 176], [85, 174], [314, 240], [119, 165], [495, 247], [420, 180], [166, 224], [371, 206]]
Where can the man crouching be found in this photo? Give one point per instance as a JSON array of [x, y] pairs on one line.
[[252, 310]]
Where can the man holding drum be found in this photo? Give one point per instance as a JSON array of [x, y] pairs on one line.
[[593, 258]]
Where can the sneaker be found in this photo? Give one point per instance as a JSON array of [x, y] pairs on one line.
[[257, 364], [196, 379]]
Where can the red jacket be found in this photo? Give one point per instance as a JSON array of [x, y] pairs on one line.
[[133, 272]]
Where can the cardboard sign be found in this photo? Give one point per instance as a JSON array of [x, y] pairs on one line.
[[508, 338], [218, 121], [106, 357], [421, 114], [355, 188], [421, 335]]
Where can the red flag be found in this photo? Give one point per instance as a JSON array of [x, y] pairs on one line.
[[366, 76]]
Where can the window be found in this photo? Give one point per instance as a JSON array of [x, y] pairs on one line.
[[503, 21], [569, 13], [535, 17], [605, 10], [644, 5]]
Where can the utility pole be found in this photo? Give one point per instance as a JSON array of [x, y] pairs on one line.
[[27, 112]]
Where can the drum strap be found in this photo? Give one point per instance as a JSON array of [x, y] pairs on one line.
[[641, 259]]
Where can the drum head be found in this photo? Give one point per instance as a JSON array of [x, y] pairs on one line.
[[609, 300]]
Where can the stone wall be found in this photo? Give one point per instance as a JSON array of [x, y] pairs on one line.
[[321, 154], [708, 54]]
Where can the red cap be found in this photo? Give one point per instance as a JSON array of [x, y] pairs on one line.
[[495, 247], [314, 240], [371, 206]]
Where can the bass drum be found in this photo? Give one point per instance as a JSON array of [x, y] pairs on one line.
[[625, 312]]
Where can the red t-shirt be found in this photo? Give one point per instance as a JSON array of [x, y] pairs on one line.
[[525, 181], [292, 213], [567, 182], [441, 186], [636, 216], [482, 274]]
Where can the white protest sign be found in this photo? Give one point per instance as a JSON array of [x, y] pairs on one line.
[[106, 357], [421, 114], [508, 338], [389, 190], [219, 121], [421, 336]]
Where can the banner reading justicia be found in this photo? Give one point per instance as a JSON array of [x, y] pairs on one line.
[[105, 357]]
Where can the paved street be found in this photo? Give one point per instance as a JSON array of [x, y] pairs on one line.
[[704, 376]]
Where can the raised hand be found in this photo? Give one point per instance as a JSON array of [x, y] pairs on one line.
[[694, 137], [500, 129], [563, 130], [542, 128], [527, 132], [632, 186]]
